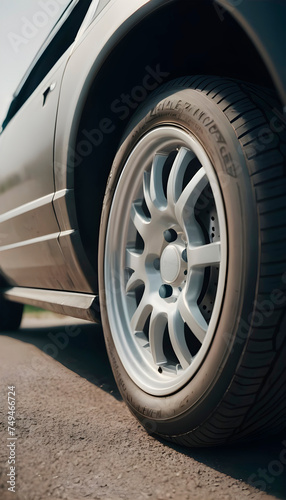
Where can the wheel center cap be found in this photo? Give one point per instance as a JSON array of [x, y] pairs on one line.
[[170, 264]]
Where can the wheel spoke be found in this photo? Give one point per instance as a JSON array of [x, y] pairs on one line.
[[205, 255], [156, 182], [184, 208], [193, 317], [156, 335], [178, 340], [141, 314], [132, 259], [146, 191], [139, 219], [176, 177], [133, 282]]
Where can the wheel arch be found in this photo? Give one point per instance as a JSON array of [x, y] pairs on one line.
[[183, 38]]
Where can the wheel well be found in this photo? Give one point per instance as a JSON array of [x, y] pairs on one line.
[[181, 39]]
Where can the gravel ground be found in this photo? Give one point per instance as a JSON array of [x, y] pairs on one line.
[[76, 439]]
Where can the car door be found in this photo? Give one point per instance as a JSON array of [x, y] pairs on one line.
[[30, 255]]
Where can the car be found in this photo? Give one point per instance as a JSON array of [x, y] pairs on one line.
[[142, 185]]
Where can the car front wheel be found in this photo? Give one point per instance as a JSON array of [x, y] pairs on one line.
[[192, 263]]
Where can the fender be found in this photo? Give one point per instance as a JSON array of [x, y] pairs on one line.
[[85, 64]]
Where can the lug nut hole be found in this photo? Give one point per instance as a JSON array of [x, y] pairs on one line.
[[165, 291], [170, 235]]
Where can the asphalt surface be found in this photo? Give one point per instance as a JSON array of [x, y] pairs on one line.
[[76, 439]]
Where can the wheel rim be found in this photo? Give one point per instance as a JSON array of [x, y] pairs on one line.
[[165, 260]]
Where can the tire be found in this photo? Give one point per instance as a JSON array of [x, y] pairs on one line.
[[192, 262], [10, 315]]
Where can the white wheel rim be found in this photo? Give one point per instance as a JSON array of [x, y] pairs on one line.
[[165, 260]]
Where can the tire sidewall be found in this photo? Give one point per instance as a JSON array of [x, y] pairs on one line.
[[194, 111]]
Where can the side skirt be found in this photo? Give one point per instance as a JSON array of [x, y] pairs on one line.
[[78, 305]]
